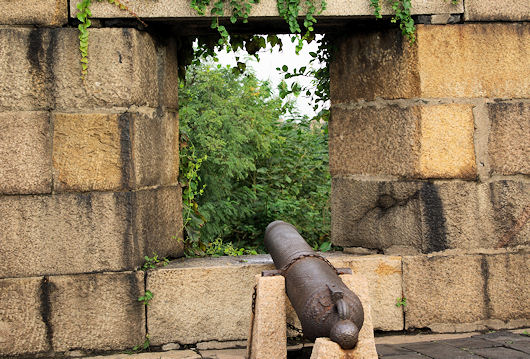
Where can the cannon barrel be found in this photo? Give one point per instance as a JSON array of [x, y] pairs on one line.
[[323, 303]]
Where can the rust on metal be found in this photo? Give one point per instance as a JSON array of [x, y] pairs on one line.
[[325, 306]]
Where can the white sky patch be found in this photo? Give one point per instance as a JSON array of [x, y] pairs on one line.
[[265, 69]]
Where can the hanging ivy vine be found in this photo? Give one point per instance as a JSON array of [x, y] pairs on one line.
[[83, 15], [289, 10], [402, 16]]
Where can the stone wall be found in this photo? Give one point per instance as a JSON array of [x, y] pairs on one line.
[[429, 153], [88, 180], [429, 156]]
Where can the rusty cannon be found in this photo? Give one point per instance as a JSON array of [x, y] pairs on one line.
[[323, 303]]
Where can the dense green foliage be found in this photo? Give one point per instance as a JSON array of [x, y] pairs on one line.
[[256, 164]]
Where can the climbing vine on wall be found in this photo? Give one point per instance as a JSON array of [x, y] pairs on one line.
[[289, 10], [83, 15], [402, 16], [238, 10]]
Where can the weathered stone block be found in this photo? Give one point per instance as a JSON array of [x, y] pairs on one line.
[[509, 142], [40, 70], [87, 153], [97, 311], [25, 69], [490, 10], [25, 152], [411, 142], [474, 60], [384, 284], [168, 72], [372, 140], [191, 290], [443, 290], [112, 151], [42, 13], [424, 216], [87, 232], [200, 300], [22, 315], [158, 222], [122, 70], [510, 213], [464, 60], [65, 234], [507, 286], [466, 292], [268, 337], [324, 348], [447, 149], [385, 66], [155, 148], [375, 214]]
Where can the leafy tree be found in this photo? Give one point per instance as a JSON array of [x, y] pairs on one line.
[[244, 164]]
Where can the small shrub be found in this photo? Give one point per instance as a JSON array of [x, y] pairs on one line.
[[401, 302], [146, 298], [153, 262]]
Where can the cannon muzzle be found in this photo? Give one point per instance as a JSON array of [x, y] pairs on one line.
[[323, 303]]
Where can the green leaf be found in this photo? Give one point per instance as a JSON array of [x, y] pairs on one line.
[[324, 247], [241, 66]]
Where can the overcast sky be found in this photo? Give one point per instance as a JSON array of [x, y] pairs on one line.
[[265, 69]]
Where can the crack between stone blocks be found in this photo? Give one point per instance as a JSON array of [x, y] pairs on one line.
[[367, 178], [117, 271], [146, 110], [120, 190], [51, 122], [404, 103], [69, 12], [485, 276], [518, 178], [480, 140], [403, 292], [524, 178], [145, 306]]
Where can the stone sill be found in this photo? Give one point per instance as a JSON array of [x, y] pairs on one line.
[[189, 290], [261, 260]]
